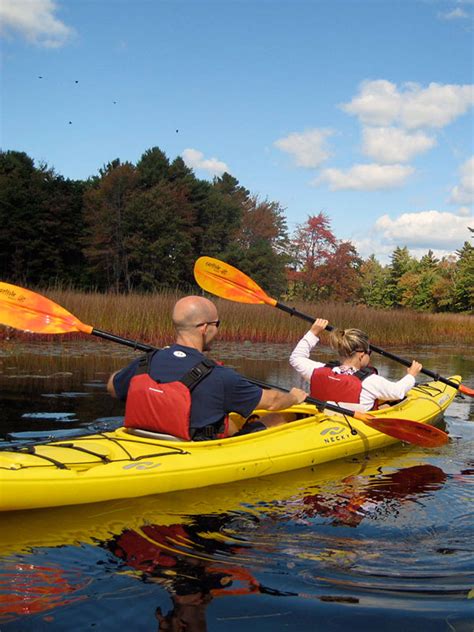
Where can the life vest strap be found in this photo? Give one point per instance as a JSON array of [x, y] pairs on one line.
[[189, 379]]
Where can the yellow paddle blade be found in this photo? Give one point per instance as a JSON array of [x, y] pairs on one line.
[[222, 279], [29, 311]]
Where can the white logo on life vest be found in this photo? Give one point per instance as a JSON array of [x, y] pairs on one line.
[[142, 465], [336, 379], [179, 354], [157, 390]]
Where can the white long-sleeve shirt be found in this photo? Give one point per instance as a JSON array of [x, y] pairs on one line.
[[375, 387]]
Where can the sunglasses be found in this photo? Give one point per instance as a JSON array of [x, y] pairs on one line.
[[209, 322], [367, 351]]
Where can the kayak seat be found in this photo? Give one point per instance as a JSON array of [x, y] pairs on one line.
[[149, 434]]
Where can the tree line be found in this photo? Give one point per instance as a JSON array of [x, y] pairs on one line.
[[139, 227]]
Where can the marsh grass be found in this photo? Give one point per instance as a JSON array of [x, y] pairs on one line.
[[141, 317], [147, 318], [262, 323]]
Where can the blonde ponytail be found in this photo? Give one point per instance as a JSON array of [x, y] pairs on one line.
[[347, 341]]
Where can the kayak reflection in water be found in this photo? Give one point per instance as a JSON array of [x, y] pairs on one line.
[[358, 500], [179, 558]]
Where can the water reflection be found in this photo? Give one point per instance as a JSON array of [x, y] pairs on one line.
[[182, 557], [285, 538]]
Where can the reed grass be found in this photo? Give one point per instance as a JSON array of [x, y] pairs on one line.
[[147, 318], [144, 317], [261, 323]]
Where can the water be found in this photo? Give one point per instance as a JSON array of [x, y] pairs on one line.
[[363, 543]]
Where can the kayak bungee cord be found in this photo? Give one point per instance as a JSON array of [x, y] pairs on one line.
[[102, 458]]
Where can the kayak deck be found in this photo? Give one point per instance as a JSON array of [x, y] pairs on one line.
[[119, 464]]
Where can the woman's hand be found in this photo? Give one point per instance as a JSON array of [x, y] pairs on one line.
[[318, 326], [415, 368]]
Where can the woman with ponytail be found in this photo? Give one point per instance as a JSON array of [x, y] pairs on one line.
[[351, 381]]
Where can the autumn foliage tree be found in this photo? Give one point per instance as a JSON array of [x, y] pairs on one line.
[[323, 267], [261, 243]]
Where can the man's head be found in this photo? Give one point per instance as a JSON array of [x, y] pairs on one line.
[[196, 321]]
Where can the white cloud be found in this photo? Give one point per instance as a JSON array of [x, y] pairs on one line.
[[439, 231], [455, 14], [370, 177], [463, 193], [381, 103], [394, 145], [367, 245], [309, 149], [425, 230], [195, 159], [35, 21]]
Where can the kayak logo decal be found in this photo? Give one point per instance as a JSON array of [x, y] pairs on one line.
[[333, 430], [142, 465], [333, 434]]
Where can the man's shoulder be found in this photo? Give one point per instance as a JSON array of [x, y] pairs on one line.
[[178, 352]]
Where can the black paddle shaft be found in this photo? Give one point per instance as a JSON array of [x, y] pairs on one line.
[[140, 346], [319, 403], [294, 312]]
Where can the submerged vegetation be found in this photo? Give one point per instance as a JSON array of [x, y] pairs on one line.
[[146, 318]]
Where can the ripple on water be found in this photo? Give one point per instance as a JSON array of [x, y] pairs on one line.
[[56, 416], [66, 395]]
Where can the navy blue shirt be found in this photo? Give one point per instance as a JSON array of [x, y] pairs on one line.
[[219, 393]]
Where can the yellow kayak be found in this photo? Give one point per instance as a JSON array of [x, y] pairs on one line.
[[122, 464]]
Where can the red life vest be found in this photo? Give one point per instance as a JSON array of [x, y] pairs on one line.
[[338, 387], [163, 407]]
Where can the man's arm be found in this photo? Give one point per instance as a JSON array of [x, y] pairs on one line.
[[110, 385], [278, 400]]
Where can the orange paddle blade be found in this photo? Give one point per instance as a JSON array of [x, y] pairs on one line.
[[222, 279], [29, 311], [466, 390], [406, 430]]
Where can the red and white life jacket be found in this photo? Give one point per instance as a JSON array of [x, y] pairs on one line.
[[339, 387], [163, 407]]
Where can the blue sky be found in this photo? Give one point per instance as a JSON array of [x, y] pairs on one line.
[[361, 109]]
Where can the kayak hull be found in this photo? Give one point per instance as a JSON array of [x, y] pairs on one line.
[[114, 465]]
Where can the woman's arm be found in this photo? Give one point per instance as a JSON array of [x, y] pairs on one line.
[[299, 358], [378, 387]]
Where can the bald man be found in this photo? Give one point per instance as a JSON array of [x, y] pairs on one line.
[[219, 393]]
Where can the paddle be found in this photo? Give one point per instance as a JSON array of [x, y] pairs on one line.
[[29, 311], [222, 279]]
